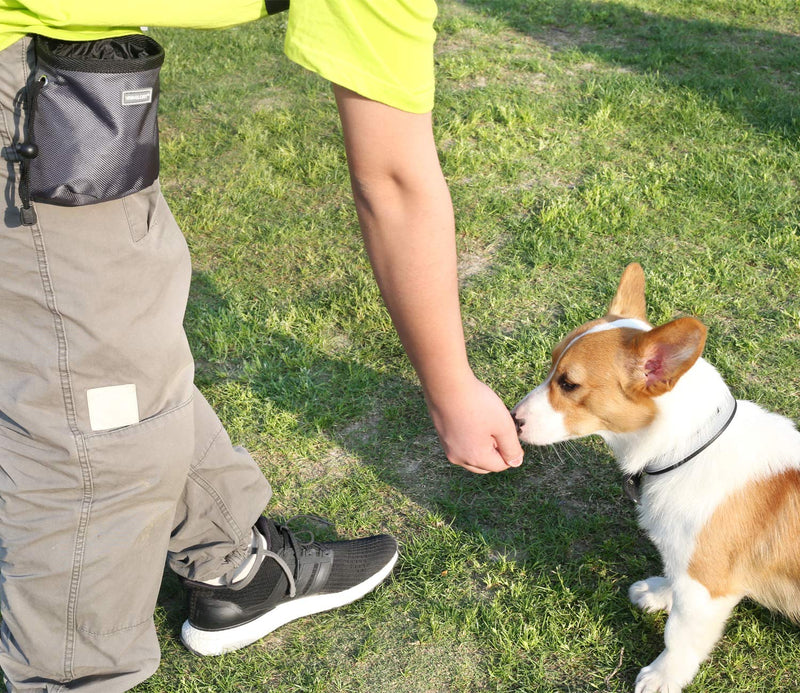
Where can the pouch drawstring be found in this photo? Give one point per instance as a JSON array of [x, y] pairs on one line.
[[26, 151], [275, 6]]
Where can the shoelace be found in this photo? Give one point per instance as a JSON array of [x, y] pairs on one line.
[[261, 553]]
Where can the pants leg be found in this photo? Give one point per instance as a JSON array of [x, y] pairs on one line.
[[91, 309], [225, 493]]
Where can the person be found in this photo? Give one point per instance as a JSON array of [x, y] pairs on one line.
[[110, 458]]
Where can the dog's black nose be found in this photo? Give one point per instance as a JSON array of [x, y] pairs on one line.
[[519, 423]]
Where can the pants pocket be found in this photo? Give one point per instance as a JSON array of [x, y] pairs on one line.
[[146, 210], [138, 473]]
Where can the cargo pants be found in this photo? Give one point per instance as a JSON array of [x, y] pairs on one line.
[[111, 461]]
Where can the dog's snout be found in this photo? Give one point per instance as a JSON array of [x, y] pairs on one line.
[[519, 423]]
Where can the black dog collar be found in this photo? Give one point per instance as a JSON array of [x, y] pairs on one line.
[[633, 482]]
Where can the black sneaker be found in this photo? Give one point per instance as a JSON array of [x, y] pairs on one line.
[[293, 580]]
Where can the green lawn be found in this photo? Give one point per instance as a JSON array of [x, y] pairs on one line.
[[577, 137]]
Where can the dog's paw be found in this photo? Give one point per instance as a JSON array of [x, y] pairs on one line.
[[653, 594], [652, 680]]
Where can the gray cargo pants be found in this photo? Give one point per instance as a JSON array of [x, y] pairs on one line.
[[110, 460]]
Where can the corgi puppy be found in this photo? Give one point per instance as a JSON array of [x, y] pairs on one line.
[[717, 482]]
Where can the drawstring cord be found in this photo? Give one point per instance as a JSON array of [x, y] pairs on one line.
[[27, 151]]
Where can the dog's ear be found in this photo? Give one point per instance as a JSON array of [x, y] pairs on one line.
[[629, 301], [664, 354]]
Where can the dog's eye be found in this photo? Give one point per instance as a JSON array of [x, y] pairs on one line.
[[566, 384]]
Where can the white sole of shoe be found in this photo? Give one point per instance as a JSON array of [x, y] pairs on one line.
[[217, 642]]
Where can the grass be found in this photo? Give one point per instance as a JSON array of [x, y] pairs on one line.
[[576, 137]]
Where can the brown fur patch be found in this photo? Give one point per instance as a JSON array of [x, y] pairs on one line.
[[751, 545], [602, 369], [629, 301], [558, 350]]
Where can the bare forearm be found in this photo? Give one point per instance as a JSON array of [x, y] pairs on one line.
[[406, 218], [409, 235]]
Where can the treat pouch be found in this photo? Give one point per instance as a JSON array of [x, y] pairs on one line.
[[92, 119]]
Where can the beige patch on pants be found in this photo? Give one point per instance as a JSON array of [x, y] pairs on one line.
[[112, 407]]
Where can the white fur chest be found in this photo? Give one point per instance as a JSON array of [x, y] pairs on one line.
[[673, 511], [677, 505]]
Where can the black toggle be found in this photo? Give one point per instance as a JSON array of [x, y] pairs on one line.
[[26, 150]]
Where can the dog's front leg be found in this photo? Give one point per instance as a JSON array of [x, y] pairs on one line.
[[694, 625], [653, 594]]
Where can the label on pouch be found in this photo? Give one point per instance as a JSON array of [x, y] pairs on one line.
[[137, 96]]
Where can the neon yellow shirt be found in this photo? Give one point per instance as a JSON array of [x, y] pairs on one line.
[[87, 21], [381, 49]]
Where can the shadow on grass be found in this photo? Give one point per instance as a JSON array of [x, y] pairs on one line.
[[561, 513], [750, 73], [381, 419]]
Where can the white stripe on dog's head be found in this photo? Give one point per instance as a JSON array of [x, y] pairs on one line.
[[631, 323], [545, 423]]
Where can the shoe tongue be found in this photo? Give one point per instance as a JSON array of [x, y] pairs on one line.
[[278, 543], [275, 540]]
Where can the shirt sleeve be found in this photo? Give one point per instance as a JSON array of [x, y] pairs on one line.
[[205, 14], [381, 49]]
